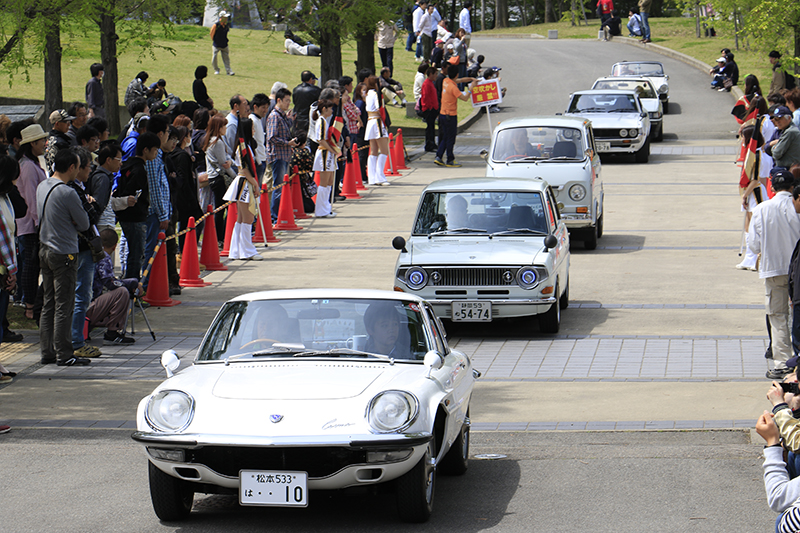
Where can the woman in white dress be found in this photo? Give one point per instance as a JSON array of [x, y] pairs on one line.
[[755, 169], [245, 191], [376, 133], [324, 159]]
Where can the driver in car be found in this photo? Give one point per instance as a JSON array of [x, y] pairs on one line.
[[382, 322], [457, 216], [519, 146], [272, 326]]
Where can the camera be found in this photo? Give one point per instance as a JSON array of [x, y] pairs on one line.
[[790, 387]]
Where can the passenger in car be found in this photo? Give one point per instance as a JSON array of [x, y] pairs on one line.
[[457, 212], [382, 322]]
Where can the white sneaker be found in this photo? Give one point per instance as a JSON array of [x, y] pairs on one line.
[[385, 183], [257, 257]]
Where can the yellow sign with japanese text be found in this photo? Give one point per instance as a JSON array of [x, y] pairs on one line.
[[486, 93]]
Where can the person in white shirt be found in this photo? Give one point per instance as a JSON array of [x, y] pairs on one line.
[[259, 105], [465, 22], [425, 32], [634, 23], [417, 17], [774, 232]]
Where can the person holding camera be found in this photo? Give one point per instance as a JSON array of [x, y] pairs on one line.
[[279, 144]]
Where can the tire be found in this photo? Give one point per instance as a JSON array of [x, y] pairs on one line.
[[599, 226], [172, 498], [550, 321], [665, 106], [456, 460], [415, 489], [563, 302], [590, 240], [643, 155], [660, 137]]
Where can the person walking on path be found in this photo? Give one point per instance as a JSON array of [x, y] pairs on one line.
[[95, 100], [448, 117], [219, 40], [61, 218], [644, 12], [774, 232], [386, 34]]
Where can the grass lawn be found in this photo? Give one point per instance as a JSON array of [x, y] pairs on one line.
[[256, 56], [676, 33]]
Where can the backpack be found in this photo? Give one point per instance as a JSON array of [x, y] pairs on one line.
[[791, 82]]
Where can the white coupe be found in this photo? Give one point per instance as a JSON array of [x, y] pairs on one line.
[[299, 390]]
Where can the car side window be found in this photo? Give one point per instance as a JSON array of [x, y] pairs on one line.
[[552, 210], [438, 337]]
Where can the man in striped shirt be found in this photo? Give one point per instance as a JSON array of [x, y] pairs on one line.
[[279, 144], [160, 210]]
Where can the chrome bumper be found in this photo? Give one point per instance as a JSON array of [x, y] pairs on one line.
[[508, 301], [351, 441]]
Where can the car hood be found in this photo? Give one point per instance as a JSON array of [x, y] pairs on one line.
[[555, 172], [650, 104], [613, 120], [466, 251]]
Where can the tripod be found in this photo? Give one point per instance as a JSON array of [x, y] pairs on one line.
[[134, 301]]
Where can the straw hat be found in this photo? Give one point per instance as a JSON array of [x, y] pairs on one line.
[[34, 132]]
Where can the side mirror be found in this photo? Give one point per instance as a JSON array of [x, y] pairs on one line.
[[399, 243], [170, 361], [433, 361], [485, 155], [643, 115], [550, 242]]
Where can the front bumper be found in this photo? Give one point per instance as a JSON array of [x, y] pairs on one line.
[[505, 308], [627, 146], [577, 220]]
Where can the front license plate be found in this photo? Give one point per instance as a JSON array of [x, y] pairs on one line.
[[277, 488], [472, 312], [603, 146]]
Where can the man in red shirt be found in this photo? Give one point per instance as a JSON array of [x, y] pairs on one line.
[[604, 9], [448, 117], [429, 104]]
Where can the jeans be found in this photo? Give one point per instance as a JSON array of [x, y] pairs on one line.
[[135, 234], [387, 56], [645, 25], [28, 274], [410, 41], [279, 169], [631, 31], [59, 272], [796, 328], [153, 229], [83, 296], [448, 126]]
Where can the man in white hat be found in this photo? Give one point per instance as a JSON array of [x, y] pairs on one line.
[[219, 39]]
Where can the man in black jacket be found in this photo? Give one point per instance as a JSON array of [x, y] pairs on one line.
[[219, 40], [133, 182], [794, 278], [303, 96]]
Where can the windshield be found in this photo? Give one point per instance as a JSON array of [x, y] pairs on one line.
[[336, 327], [456, 213], [536, 143], [603, 103], [643, 88], [637, 69]]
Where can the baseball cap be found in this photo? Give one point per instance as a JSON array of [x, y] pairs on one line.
[[438, 41], [781, 177], [224, 14], [779, 111], [59, 115], [722, 60]]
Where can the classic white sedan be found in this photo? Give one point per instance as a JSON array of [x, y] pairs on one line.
[[483, 249], [647, 95], [652, 70], [298, 390]]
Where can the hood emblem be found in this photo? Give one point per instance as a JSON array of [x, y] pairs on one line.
[[275, 418]]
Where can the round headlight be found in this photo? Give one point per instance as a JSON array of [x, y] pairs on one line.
[[663, 89], [392, 410], [623, 133], [416, 278], [526, 277], [634, 133], [170, 410], [577, 192]]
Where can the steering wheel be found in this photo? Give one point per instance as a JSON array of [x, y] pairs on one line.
[[514, 156], [259, 340]]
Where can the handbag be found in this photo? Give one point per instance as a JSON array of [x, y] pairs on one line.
[[727, 83]]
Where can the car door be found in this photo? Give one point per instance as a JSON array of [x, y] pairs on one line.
[[597, 182], [557, 228]]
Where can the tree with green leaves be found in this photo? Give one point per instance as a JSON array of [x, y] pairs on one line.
[[767, 24]]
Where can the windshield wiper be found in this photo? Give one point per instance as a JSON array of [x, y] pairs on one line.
[[456, 231], [336, 352], [514, 231], [275, 350], [528, 158], [622, 111]]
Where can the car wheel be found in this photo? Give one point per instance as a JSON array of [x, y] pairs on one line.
[[563, 302], [456, 460], [550, 321], [665, 106], [415, 489], [643, 155], [599, 226], [172, 498], [660, 134], [590, 240]]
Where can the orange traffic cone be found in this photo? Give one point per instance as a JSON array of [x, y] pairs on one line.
[[357, 172], [399, 151], [209, 253], [388, 169], [230, 221], [190, 266], [297, 196], [285, 211], [264, 211], [349, 181], [158, 288]]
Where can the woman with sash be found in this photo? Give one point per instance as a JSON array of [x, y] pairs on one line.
[[376, 133], [244, 190], [325, 159]]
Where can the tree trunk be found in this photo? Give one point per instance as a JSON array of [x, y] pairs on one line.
[[452, 17], [330, 63], [796, 49], [483, 15], [365, 46], [108, 56], [572, 12], [53, 95], [501, 14], [521, 7], [548, 11], [697, 19]]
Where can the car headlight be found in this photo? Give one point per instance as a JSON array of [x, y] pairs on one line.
[[416, 278], [663, 89], [392, 410], [634, 133], [623, 133], [577, 192], [527, 278], [655, 115], [170, 410]]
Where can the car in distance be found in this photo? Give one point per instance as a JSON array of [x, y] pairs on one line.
[[298, 390], [653, 70], [620, 123], [561, 151], [483, 249], [647, 95]]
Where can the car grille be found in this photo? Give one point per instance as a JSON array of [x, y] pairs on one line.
[[606, 133], [318, 462], [472, 277]]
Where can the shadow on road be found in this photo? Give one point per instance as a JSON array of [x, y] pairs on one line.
[[615, 243]]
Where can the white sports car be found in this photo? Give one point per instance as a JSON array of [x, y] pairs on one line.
[[647, 95], [293, 391], [652, 70]]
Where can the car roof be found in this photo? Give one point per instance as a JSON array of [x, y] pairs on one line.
[[606, 91], [361, 294], [542, 121], [487, 184], [637, 62], [643, 79]]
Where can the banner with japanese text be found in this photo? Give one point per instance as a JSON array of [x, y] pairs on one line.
[[486, 93]]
